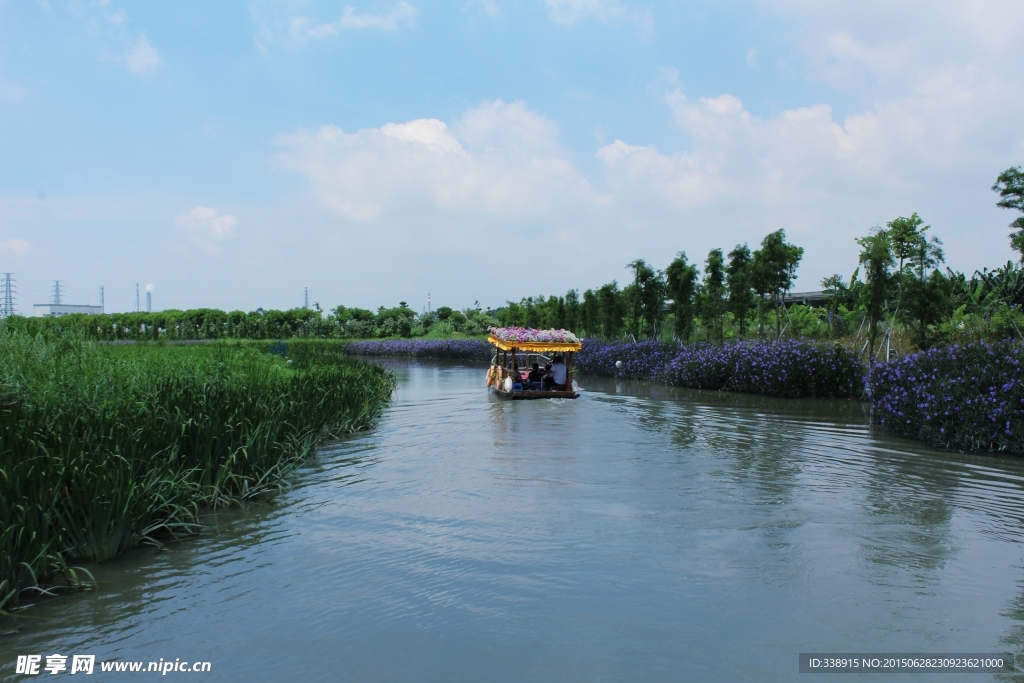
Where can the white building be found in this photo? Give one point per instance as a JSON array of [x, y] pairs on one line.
[[51, 310]]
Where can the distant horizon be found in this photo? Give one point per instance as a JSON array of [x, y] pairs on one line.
[[229, 155]]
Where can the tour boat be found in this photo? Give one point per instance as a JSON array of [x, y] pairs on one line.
[[523, 347]]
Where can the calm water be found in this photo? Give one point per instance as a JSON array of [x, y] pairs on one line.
[[636, 534]]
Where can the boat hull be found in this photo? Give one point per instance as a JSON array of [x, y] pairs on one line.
[[530, 395]]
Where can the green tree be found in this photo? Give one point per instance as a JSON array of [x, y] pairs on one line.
[[610, 302], [1010, 186], [713, 295], [837, 295], [572, 310], [738, 280], [590, 314], [647, 300], [774, 272], [877, 259], [918, 294], [681, 281], [905, 234]]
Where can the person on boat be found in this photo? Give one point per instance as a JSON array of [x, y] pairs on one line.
[[516, 375], [535, 374], [558, 374]]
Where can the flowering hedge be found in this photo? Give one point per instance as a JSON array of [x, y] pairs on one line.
[[529, 334], [968, 397], [787, 368], [463, 349]]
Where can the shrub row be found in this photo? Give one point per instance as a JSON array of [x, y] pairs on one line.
[[968, 397], [787, 368], [459, 349]]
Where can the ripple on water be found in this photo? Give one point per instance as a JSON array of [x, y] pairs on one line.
[[638, 533]]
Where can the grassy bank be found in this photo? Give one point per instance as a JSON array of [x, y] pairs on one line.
[[103, 448]]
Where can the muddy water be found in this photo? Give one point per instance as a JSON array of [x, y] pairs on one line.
[[636, 534]]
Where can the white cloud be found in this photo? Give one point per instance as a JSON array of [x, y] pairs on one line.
[[752, 56], [402, 14], [142, 57], [15, 246], [915, 130], [499, 165], [206, 229], [571, 12]]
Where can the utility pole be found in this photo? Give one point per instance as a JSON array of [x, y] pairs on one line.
[[305, 298], [103, 307], [58, 292], [138, 307], [7, 306]]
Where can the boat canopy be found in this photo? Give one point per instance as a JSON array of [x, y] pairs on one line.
[[538, 341]]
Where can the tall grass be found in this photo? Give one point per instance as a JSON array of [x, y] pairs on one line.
[[104, 448]]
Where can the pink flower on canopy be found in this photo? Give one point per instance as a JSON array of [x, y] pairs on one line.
[[528, 334]]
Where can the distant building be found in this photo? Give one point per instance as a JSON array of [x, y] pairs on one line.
[[52, 310], [812, 299]]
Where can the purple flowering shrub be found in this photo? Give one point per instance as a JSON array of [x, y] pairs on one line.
[[968, 397], [787, 368], [462, 349]]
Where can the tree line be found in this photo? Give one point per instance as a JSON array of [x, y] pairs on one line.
[[898, 297], [898, 294]]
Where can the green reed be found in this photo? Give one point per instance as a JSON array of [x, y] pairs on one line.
[[103, 448]]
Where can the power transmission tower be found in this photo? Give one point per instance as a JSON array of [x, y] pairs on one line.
[[7, 306], [57, 297], [305, 298]]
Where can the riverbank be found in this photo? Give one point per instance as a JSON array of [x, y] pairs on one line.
[[105, 448], [960, 397], [789, 368]]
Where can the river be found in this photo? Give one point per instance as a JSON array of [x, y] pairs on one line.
[[639, 533]]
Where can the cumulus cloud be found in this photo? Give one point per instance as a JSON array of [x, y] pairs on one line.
[[499, 162], [15, 246], [913, 132], [205, 229]]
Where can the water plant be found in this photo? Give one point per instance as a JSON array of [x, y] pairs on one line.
[[103, 448]]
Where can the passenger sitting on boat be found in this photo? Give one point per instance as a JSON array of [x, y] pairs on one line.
[[535, 374], [516, 375], [558, 374], [549, 380]]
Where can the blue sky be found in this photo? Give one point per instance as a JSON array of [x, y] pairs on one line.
[[231, 154]]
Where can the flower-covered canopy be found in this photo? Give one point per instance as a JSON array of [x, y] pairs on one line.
[[529, 339]]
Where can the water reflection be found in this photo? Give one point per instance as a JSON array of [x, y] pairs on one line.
[[637, 533]]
